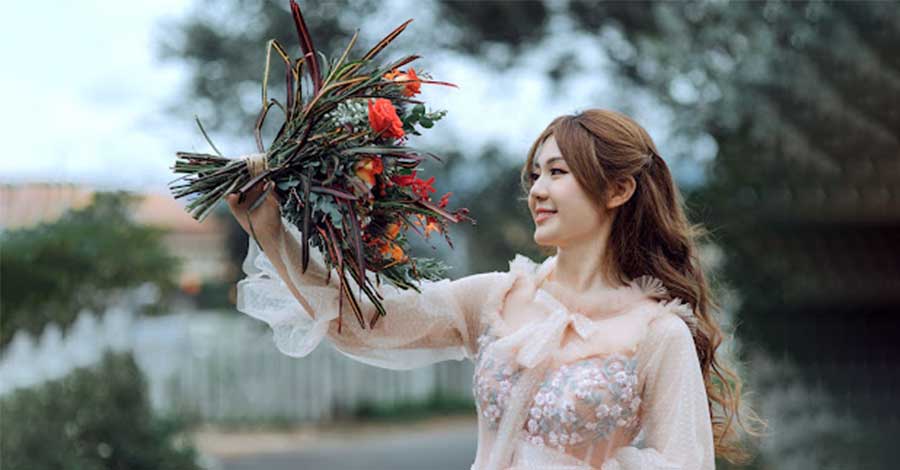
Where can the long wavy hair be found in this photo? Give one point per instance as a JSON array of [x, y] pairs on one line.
[[651, 235]]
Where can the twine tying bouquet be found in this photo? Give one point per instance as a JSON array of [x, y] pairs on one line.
[[340, 165]]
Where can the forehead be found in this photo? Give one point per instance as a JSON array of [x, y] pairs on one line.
[[547, 153]]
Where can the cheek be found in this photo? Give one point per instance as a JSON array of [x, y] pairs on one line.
[[577, 202]]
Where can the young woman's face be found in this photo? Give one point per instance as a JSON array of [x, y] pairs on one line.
[[574, 215]]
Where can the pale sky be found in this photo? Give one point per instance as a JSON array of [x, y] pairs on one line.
[[84, 95]]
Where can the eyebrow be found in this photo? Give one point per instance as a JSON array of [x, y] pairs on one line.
[[549, 160]]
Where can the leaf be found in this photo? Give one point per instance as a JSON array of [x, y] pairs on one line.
[[273, 44], [338, 64], [206, 136], [358, 243], [307, 214], [386, 40], [309, 51]]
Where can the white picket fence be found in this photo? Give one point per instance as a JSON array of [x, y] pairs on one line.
[[223, 366]]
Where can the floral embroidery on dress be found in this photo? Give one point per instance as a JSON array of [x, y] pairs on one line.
[[584, 402], [576, 403], [493, 382]]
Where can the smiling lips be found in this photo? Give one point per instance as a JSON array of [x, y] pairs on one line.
[[543, 215]]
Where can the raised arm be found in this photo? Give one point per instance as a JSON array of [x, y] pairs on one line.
[[676, 420], [442, 322]]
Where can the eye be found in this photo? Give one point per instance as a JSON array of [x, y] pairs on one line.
[[534, 176]]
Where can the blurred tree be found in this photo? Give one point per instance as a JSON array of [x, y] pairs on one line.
[[80, 261], [96, 418], [500, 43], [223, 43]]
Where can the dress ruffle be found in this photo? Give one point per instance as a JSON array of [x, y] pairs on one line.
[[646, 285], [264, 296]]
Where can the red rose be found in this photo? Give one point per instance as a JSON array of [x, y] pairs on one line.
[[383, 118]]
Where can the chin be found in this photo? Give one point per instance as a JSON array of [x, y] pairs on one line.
[[543, 240]]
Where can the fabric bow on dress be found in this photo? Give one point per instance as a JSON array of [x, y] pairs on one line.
[[536, 342]]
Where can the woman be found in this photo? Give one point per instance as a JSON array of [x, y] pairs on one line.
[[601, 356]]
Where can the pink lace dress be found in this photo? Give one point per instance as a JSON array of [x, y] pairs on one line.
[[555, 389]]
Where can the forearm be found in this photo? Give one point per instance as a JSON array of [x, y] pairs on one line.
[[281, 248]]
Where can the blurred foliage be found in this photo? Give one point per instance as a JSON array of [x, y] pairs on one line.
[[436, 405], [213, 296], [223, 43], [96, 418], [80, 261], [500, 43], [801, 99], [504, 225]]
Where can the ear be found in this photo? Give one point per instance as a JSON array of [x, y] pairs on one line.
[[621, 192]]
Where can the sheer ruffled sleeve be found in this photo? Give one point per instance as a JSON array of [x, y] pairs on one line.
[[439, 323], [677, 430]]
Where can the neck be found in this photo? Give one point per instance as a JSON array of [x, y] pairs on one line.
[[582, 267]]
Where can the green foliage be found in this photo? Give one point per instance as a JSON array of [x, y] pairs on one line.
[[53, 270], [435, 405], [93, 419]]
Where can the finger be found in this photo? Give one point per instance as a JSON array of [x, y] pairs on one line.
[[232, 201], [273, 193]]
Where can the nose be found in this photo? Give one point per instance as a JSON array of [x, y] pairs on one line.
[[538, 189]]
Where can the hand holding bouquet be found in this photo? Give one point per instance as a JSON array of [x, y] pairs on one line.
[[339, 165]]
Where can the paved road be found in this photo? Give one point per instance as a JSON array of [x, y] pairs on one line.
[[446, 447]]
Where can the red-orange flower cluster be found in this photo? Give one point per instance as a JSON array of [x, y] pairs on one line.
[[404, 180], [367, 167], [423, 187], [409, 78], [387, 247], [383, 118]]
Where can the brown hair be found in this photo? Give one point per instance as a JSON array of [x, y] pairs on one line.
[[651, 235]]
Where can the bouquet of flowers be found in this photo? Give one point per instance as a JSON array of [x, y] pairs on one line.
[[340, 165]]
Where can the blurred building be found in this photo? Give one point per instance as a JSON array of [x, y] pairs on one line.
[[201, 246]]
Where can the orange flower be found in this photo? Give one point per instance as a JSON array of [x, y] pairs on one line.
[[413, 84], [383, 118], [393, 230], [431, 227], [397, 253], [393, 249], [367, 167], [431, 224]]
